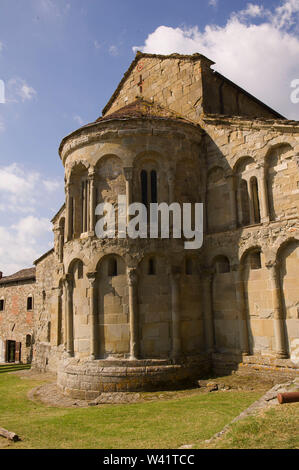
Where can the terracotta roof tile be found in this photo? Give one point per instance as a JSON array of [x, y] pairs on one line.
[[142, 108], [23, 275]]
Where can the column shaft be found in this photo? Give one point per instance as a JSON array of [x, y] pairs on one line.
[[93, 316], [69, 212], [279, 327], [133, 314], [69, 316], [92, 202], [128, 172], [175, 303], [240, 297], [208, 312]]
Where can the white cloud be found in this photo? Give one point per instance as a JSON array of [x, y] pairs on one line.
[[51, 185], [113, 50], [97, 45], [22, 243], [17, 89], [213, 3], [262, 58], [79, 120], [52, 9], [287, 14], [25, 231], [252, 11], [24, 191], [2, 124]]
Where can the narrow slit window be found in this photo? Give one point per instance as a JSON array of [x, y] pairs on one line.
[[28, 341], [255, 200], [29, 303], [1, 305], [143, 178], [151, 267]]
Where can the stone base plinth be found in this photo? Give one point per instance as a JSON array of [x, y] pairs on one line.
[[223, 364], [87, 379]]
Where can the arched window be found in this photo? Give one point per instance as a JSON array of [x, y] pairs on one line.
[[149, 191], [28, 341], [112, 267], [255, 200], [29, 303], [151, 267]]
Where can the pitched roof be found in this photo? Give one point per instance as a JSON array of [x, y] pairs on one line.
[[43, 256], [23, 275], [140, 55]]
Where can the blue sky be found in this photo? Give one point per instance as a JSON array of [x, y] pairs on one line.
[[61, 60]]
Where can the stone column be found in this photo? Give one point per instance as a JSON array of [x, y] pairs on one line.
[[207, 281], [92, 200], [232, 199], [240, 297], [263, 194], [251, 203], [239, 201], [175, 313], [59, 315], [171, 196], [171, 185], [128, 172], [68, 282], [133, 314], [69, 211], [92, 277], [61, 243], [279, 328]]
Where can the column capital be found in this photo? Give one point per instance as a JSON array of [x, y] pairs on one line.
[[91, 173], [260, 165], [128, 173], [230, 176], [272, 264], [132, 276], [67, 279], [92, 277], [176, 272]]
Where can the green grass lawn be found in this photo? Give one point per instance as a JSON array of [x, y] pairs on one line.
[[275, 428], [186, 419]]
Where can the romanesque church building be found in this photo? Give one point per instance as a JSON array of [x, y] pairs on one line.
[[128, 314]]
